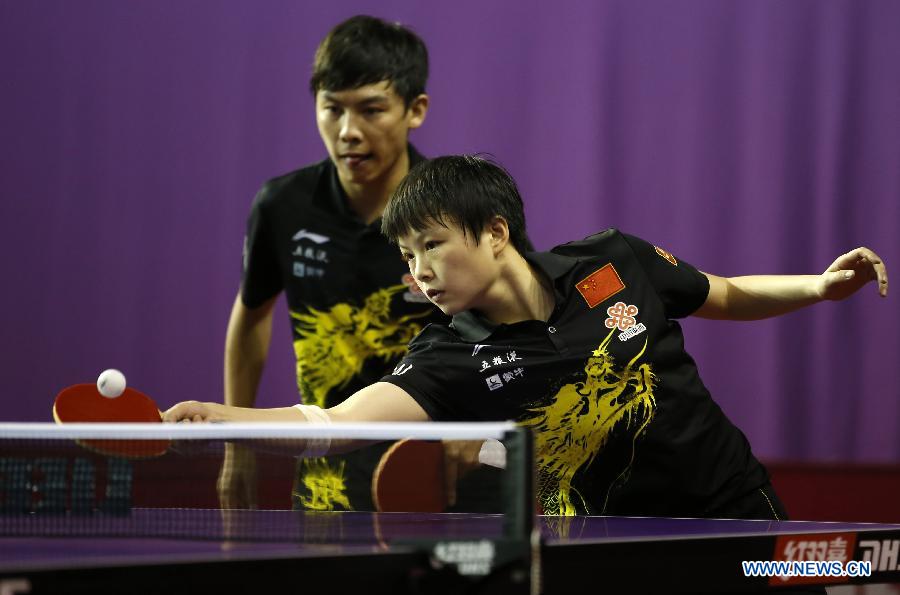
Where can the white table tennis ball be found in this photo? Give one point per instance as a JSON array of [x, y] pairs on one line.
[[111, 383]]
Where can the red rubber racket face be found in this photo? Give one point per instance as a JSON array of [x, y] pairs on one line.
[[410, 478], [84, 403]]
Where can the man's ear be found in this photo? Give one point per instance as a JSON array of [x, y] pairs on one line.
[[499, 230], [417, 110]]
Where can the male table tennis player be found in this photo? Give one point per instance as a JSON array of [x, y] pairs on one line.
[[580, 343], [314, 234]]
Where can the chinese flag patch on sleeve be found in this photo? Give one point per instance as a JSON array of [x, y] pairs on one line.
[[600, 285]]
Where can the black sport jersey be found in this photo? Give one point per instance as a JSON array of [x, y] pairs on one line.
[[354, 307], [623, 424]]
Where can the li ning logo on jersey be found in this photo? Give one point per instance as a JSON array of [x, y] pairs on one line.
[[308, 235], [401, 369], [478, 347]]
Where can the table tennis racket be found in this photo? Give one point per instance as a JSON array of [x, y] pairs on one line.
[[410, 478], [410, 475], [83, 403]]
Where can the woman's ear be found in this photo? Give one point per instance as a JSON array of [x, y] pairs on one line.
[[499, 230]]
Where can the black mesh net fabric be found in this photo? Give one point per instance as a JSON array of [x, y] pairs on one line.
[[138, 488]]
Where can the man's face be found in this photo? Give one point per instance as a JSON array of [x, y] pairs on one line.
[[365, 131], [454, 272]]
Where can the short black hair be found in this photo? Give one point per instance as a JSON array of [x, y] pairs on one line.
[[464, 189], [364, 50]]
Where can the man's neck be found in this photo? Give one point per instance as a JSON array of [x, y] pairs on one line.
[[368, 200]]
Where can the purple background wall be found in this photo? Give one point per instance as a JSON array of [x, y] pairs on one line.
[[744, 136]]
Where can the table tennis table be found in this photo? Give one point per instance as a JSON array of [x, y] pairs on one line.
[[359, 552], [73, 522]]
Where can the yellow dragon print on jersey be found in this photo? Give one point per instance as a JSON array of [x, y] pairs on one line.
[[325, 485], [581, 419], [331, 349], [334, 345]]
